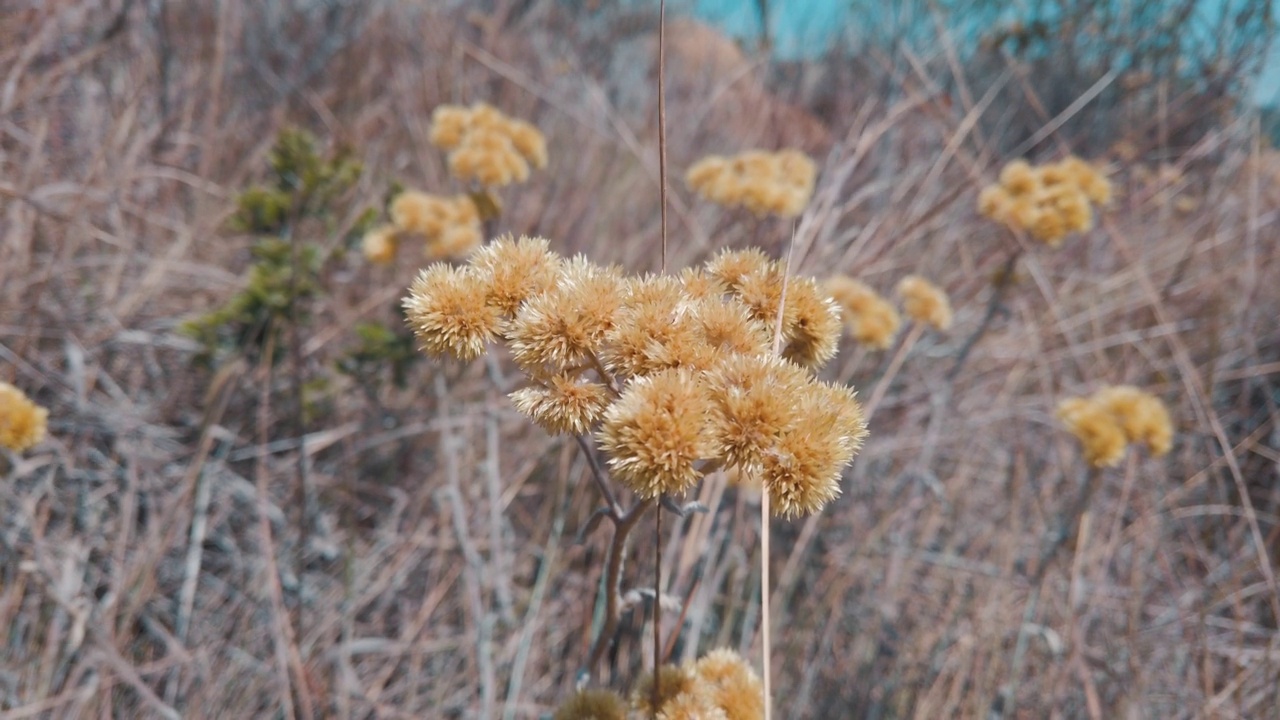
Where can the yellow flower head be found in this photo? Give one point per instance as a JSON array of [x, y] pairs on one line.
[[871, 319], [22, 422], [752, 405], [1142, 416], [447, 310], [515, 270], [566, 404], [1100, 435], [657, 433], [732, 684], [592, 705], [450, 225], [675, 681], [379, 244], [764, 183], [567, 324], [1050, 201], [731, 266], [486, 146], [925, 302]]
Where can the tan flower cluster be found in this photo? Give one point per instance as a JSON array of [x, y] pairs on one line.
[[450, 225], [765, 183], [676, 375], [22, 422], [486, 146], [1107, 421], [870, 318], [1049, 201], [720, 686], [925, 302]]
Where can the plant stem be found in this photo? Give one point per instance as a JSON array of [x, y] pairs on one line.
[[993, 306], [622, 527]]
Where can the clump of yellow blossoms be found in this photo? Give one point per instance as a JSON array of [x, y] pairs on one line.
[[1107, 421], [485, 146], [22, 422], [676, 375], [925, 302], [765, 183], [870, 318], [450, 225], [720, 686], [1049, 201]]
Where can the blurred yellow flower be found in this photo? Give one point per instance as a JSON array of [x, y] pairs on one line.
[[22, 422]]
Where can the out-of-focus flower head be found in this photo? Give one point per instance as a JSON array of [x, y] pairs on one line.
[[925, 302], [765, 183], [1113, 417], [1048, 201], [22, 422], [870, 318], [449, 225], [485, 146]]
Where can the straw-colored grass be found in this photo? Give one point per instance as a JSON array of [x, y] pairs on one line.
[[159, 558]]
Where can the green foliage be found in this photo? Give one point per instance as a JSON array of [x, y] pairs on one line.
[[381, 348], [271, 298], [304, 185]]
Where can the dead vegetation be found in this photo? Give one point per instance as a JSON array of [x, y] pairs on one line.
[[155, 560]]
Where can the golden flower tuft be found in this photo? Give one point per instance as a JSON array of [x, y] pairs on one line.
[[870, 318], [1142, 415], [1100, 435], [657, 433], [485, 146], [447, 310], [592, 705], [515, 270], [752, 406], [22, 422], [450, 225], [732, 684], [379, 244], [732, 266], [1049, 201], [567, 324], [802, 471], [565, 404], [925, 302], [675, 683], [765, 183]]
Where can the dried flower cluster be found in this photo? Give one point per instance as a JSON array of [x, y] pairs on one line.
[[485, 146], [450, 225], [765, 183], [22, 422], [1049, 201], [720, 686], [870, 318], [1107, 421], [676, 374], [925, 302]]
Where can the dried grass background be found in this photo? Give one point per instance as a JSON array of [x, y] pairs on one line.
[[439, 576]]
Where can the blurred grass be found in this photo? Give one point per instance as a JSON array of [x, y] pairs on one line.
[[136, 578]]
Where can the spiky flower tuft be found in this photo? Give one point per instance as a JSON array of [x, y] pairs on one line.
[[447, 310], [564, 404], [567, 324], [925, 302], [515, 270], [22, 422], [732, 684], [592, 705], [657, 433]]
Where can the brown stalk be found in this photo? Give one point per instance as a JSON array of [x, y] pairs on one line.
[[662, 202]]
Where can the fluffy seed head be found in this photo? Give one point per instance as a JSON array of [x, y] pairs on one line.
[[564, 404], [447, 310], [732, 684], [1142, 416], [22, 423], [486, 146], [657, 432], [925, 302], [731, 266], [752, 405], [592, 705], [515, 270], [567, 324], [764, 183], [1100, 435], [870, 318], [811, 333], [673, 681], [379, 244]]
